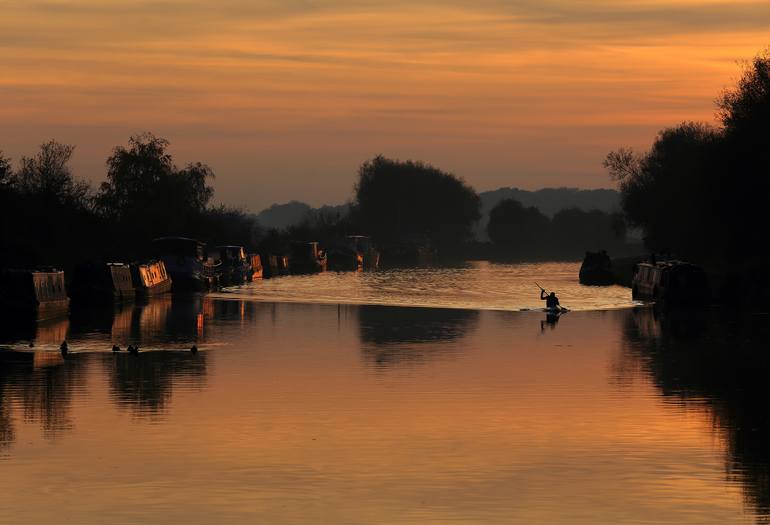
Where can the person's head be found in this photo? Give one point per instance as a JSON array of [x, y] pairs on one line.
[[553, 294]]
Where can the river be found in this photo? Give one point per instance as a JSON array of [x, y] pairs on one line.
[[478, 285], [363, 413]]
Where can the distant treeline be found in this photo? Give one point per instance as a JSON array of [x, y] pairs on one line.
[[412, 203], [520, 232], [701, 191]]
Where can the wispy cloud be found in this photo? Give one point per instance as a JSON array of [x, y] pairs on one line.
[[341, 80]]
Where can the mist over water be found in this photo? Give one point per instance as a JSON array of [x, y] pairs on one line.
[[479, 285]]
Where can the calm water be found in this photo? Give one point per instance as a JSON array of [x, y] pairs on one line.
[[295, 413], [479, 285]]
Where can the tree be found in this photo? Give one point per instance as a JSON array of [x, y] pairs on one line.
[[518, 231], [47, 214], [666, 190], [702, 192], [147, 196], [47, 176], [745, 109], [6, 171], [397, 200], [744, 112]]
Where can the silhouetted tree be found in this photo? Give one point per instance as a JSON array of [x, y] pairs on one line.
[[223, 225], [745, 115], [664, 191], [395, 200], [518, 231], [147, 196], [47, 214], [47, 176], [701, 192], [6, 172]]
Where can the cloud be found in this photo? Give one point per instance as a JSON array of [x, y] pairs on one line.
[[464, 83]]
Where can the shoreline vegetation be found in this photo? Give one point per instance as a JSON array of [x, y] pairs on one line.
[[677, 194], [52, 219]]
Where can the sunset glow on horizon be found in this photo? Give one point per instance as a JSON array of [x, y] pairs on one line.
[[285, 99]]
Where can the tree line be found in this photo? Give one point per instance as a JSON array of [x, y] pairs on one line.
[[700, 191], [50, 217], [521, 232], [413, 203]]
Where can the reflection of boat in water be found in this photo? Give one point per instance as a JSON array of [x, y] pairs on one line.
[[186, 263], [102, 282], [38, 292]]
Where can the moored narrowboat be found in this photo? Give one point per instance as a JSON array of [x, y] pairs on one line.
[[671, 282], [596, 269], [306, 258], [365, 249], [186, 263], [102, 282], [151, 278], [256, 266], [341, 257], [277, 265], [235, 266], [39, 292]]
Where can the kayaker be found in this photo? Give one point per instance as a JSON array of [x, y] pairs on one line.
[[551, 301]]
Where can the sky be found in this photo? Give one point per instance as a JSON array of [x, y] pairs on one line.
[[284, 99]]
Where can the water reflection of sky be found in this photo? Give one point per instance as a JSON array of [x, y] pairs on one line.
[[292, 413]]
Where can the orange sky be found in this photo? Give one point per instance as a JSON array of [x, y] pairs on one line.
[[285, 98]]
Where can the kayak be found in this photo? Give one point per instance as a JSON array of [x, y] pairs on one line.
[[556, 310]]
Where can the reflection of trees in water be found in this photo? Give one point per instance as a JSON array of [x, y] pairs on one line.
[[392, 335], [44, 384], [145, 382], [710, 359], [7, 431]]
